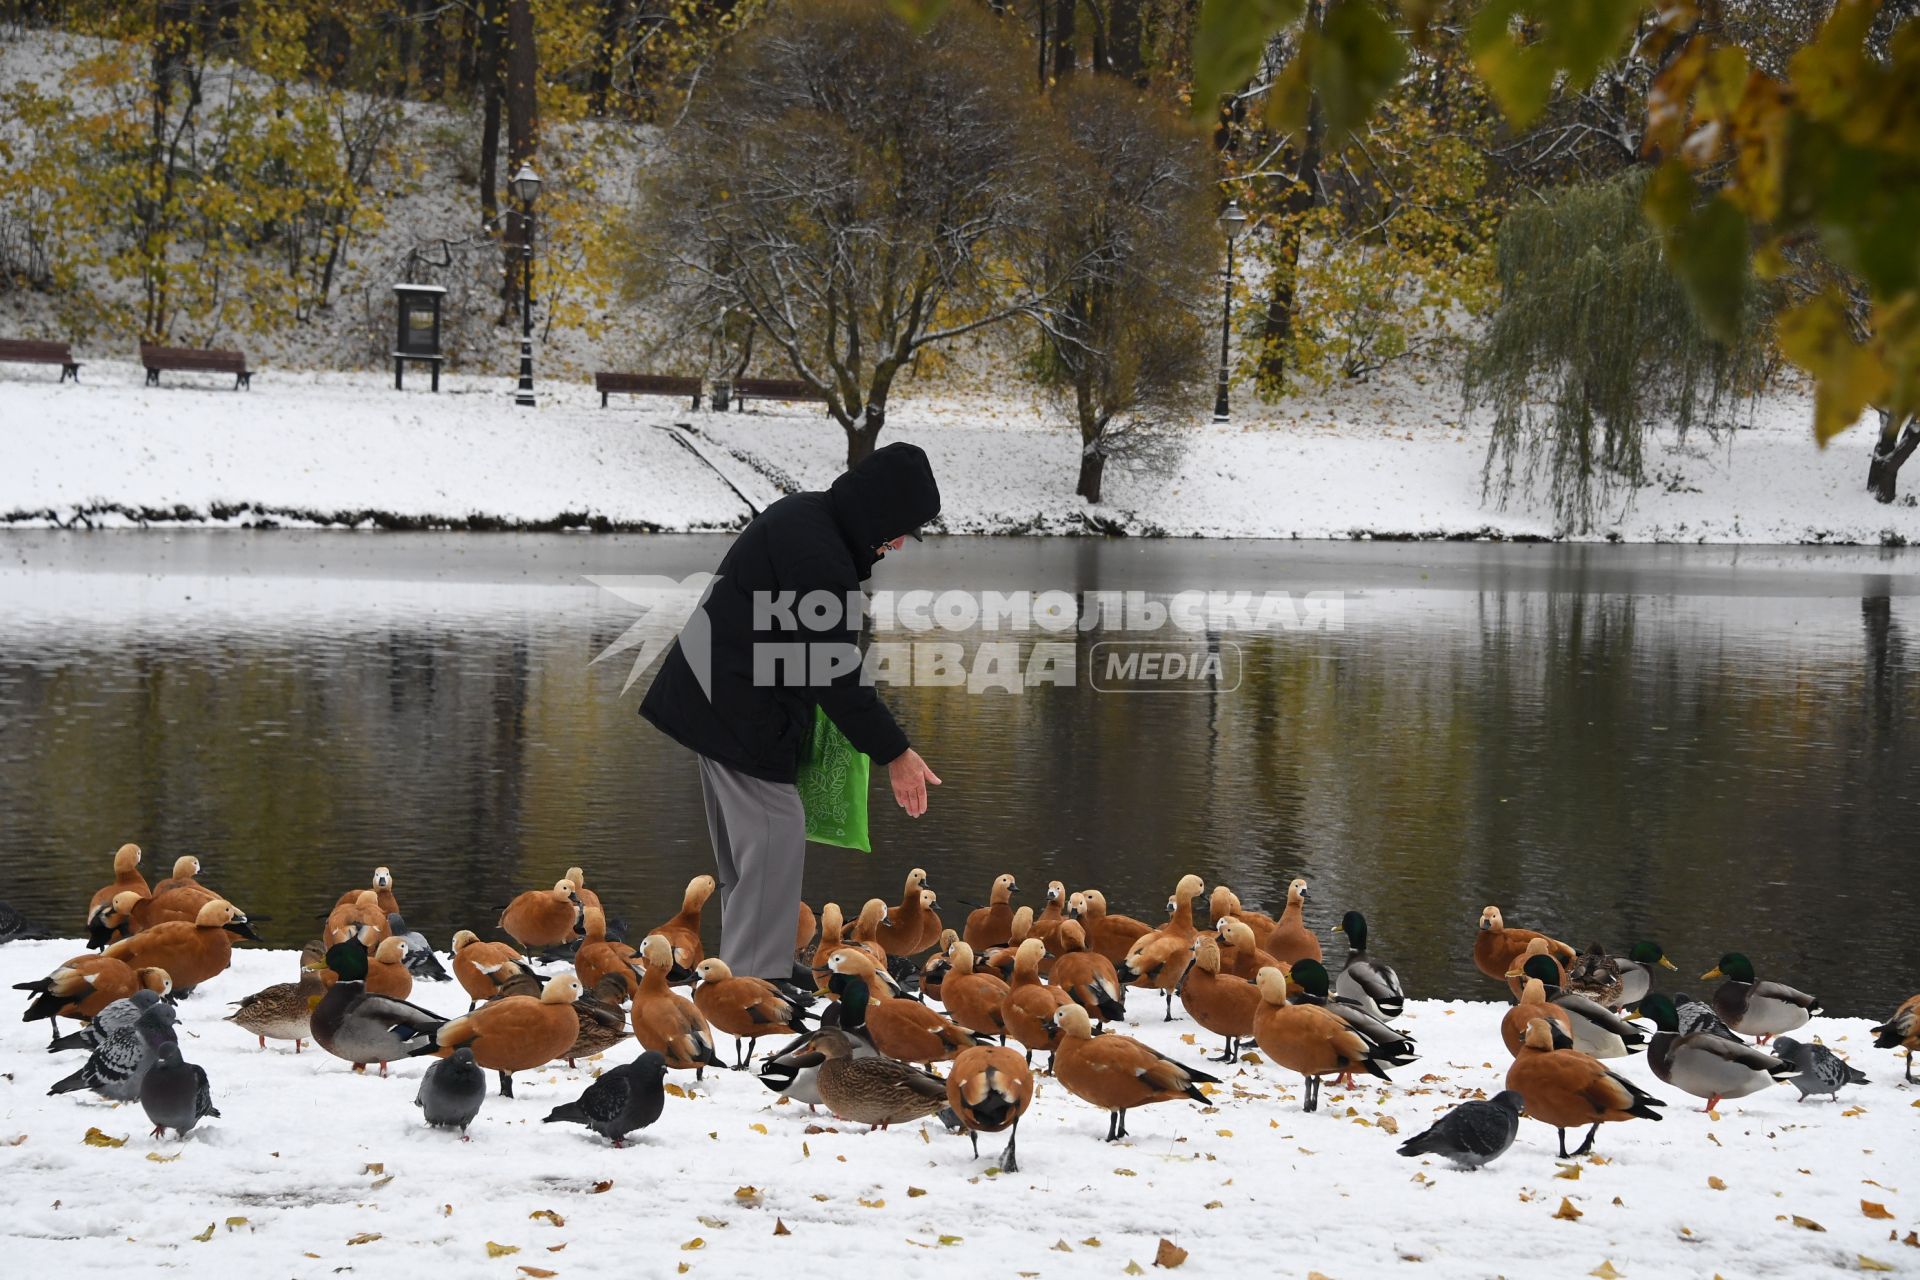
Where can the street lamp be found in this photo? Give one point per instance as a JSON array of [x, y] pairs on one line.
[[1231, 220], [526, 187]]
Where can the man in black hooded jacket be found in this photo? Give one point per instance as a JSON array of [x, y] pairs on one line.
[[731, 691]]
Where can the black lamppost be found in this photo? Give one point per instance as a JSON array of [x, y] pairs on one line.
[[1231, 220], [526, 186]]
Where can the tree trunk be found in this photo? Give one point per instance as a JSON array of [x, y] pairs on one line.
[[1890, 453], [1063, 50], [403, 74], [1093, 465], [612, 16], [487, 70], [433, 60], [1123, 38], [865, 430]]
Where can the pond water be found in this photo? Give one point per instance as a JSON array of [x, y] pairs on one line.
[[1712, 747]]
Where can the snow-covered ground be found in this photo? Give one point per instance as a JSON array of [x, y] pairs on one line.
[[312, 1171], [1393, 459]]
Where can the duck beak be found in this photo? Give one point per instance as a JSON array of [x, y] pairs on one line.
[[1668, 964], [1516, 974], [1711, 973]]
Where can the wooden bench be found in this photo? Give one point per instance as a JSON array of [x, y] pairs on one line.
[[29, 351], [746, 389], [195, 360], [645, 384]]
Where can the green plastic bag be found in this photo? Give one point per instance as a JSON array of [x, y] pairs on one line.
[[833, 787]]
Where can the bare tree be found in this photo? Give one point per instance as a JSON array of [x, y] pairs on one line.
[[850, 188], [1128, 252]]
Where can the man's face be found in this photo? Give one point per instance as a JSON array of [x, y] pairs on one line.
[[895, 545]]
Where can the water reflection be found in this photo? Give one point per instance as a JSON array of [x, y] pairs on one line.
[[1706, 747]]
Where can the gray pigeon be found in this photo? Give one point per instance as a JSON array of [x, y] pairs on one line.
[[121, 1056], [421, 962], [1473, 1133], [174, 1093], [452, 1090], [1821, 1070], [628, 1097], [1698, 1016], [121, 1013]]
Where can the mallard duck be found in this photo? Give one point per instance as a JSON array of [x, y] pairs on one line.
[[126, 879], [1533, 1004], [283, 1010], [360, 914], [874, 1091], [988, 1090], [1636, 972], [1498, 949], [1158, 959], [544, 917], [1705, 1065], [603, 1017], [1698, 1015], [1537, 948], [973, 997], [1597, 1031], [1053, 913], [793, 1070], [475, 963], [899, 1027], [77, 990], [1372, 984], [1753, 1008], [1030, 1004], [1291, 940], [627, 1097], [353, 1024], [1901, 1031], [1308, 1038], [1220, 1002], [191, 953], [1566, 1088], [1597, 976], [745, 1008], [1087, 976], [664, 1020], [682, 932], [1391, 1046], [1108, 933], [382, 890], [514, 1033], [992, 925], [1117, 1073], [904, 926], [1473, 1134]]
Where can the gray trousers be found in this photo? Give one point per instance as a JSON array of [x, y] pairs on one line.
[[760, 850]]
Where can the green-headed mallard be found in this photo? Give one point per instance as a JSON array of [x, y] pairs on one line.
[[351, 1023], [1703, 1064], [1368, 982], [1597, 1031], [1636, 972], [1391, 1046], [1762, 1010]]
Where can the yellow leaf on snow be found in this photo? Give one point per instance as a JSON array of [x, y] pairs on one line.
[[1061, 1246], [1571, 1172], [1872, 1264], [780, 1228], [691, 1245], [1605, 1271], [1872, 1210], [549, 1215], [206, 1235], [234, 1224], [157, 1158], [674, 1090], [757, 1127], [538, 1273], [1716, 1184], [95, 1138], [1169, 1254], [747, 1195], [914, 1193], [1134, 1269], [1568, 1211], [712, 1223], [873, 1204], [501, 1250], [1807, 1223], [365, 1237], [949, 1240]]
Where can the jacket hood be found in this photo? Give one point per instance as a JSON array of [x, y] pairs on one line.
[[888, 494]]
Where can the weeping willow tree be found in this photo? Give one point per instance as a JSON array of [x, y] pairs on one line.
[[1594, 344]]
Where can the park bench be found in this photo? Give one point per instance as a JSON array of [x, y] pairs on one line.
[[645, 384], [746, 389], [195, 360], [29, 351]]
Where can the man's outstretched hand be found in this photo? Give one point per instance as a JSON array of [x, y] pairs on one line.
[[910, 778]]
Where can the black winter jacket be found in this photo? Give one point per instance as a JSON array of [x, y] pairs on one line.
[[804, 542]]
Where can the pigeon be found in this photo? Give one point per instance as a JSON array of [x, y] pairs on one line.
[[452, 1090], [628, 1097], [1698, 1016], [119, 1014], [421, 962], [174, 1093], [121, 1057], [1821, 1069], [1473, 1133]]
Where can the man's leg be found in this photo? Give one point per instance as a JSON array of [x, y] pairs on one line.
[[763, 829]]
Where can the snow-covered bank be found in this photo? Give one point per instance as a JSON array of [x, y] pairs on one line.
[[313, 1169], [1393, 460]]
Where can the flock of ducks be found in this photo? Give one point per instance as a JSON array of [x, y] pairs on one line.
[[1008, 984]]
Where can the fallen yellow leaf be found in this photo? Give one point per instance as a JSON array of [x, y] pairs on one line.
[[1716, 1183], [695, 1243], [1807, 1223], [538, 1273], [1872, 1210], [1567, 1211], [157, 1158], [1605, 1271], [1169, 1254], [780, 1228], [95, 1138], [206, 1235], [914, 1193], [1872, 1264], [501, 1250], [1571, 1172], [365, 1237]]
